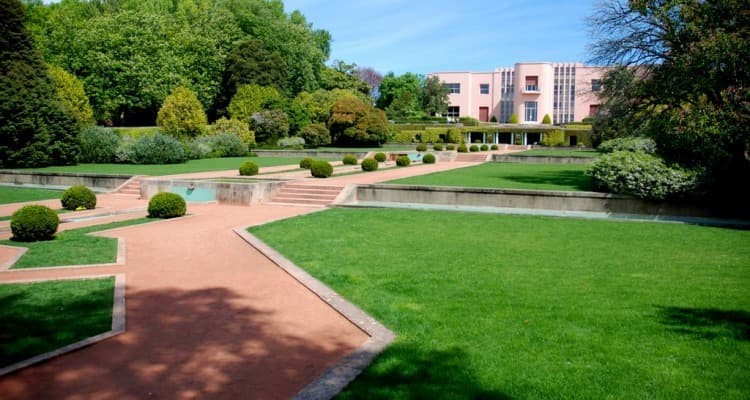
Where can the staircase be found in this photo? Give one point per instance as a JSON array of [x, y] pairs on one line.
[[306, 195], [131, 188], [471, 157]]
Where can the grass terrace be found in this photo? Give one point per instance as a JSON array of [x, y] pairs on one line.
[[558, 153], [15, 194], [44, 316], [509, 176], [499, 307]]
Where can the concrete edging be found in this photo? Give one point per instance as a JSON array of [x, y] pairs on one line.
[[117, 327], [331, 382], [542, 159]]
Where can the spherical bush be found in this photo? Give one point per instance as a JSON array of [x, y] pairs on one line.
[[369, 164], [248, 168], [450, 147], [421, 147], [474, 148], [349, 160], [485, 147], [166, 205], [321, 169], [78, 196], [462, 148], [379, 157], [428, 159], [306, 163], [403, 161], [438, 147], [34, 222], [493, 147]]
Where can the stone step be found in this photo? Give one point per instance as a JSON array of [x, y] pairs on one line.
[[313, 187], [318, 196], [310, 191], [297, 200]]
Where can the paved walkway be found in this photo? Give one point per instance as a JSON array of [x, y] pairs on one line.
[[207, 315]]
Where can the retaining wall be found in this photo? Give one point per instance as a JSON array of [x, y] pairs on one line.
[[542, 159], [309, 153], [222, 192], [60, 180]]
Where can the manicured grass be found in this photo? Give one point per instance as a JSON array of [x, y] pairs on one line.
[[386, 148], [559, 153], [509, 176], [72, 247], [15, 194], [44, 316], [496, 307], [204, 165]]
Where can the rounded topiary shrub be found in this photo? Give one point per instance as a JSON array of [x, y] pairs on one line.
[[78, 196], [34, 222], [369, 164], [474, 148], [421, 147], [380, 157], [349, 160], [484, 147], [462, 148], [403, 161], [321, 169], [248, 168], [305, 163], [166, 205], [493, 147], [450, 147], [438, 147], [428, 159]]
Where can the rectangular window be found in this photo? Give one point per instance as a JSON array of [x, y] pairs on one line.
[[532, 83], [596, 85], [530, 111], [484, 88], [453, 112], [453, 87]]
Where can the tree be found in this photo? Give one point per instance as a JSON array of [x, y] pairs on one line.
[[355, 123], [182, 115], [547, 120], [513, 119], [251, 99], [35, 129], [405, 105], [315, 135], [373, 78], [343, 76], [72, 96], [434, 96], [393, 86], [269, 126]]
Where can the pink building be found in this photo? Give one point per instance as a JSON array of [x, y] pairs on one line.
[[565, 92]]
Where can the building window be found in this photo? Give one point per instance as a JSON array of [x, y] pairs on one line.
[[453, 87], [453, 112], [596, 85], [484, 88], [532, 83], [530, 111]]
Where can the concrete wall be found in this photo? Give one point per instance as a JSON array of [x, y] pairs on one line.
[[222, 192], [309, 153], [59, 180], [528, 199], [542, 159]]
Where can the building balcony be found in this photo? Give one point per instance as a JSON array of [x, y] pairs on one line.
[[531, 89]]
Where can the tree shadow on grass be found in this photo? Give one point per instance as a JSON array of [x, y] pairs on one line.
[[707, 323], [408, 372], [574, 179], [206, 343]]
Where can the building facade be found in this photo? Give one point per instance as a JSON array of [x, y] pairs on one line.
[[567, 92]]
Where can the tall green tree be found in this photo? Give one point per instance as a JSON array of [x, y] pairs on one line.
[[182, 114], [353, 122], [434, 96], [393, 86], [35, 129], [72, 96], [251, 99]]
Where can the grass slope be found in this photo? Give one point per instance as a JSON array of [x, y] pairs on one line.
[[509, 176], [72, 247], [41, 317], [497, 307], [13, 194]]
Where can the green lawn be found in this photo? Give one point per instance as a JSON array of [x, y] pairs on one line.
[[72, 247], [559, 153], [15, 194], [509, 176], [204, 165], [44, 316], [498, 307]]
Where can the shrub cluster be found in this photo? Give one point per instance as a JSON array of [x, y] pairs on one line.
[[349, 160], [450, 147], [637, 144], [315, 135], [380, 157], [234, 126], [428, 158], [432, 135], [321, 169], [151, 149], [306, 163], [369, 164], [99, 145], [462, 148], [221, 145], [640, 174], [403, 161], [454, 136], [484, 147], [34, 222], [248, 168], [474, 148], [166, 205], [78, 196], [554, 138], [292, 142], [438, 147], [421, 147], [493, 147], [469, 121], [406, 136]]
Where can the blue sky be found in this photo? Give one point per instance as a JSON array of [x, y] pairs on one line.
[[430, 36]]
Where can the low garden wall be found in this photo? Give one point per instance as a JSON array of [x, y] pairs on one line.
[[60, 180], [309, 153], [515, 198], [203, 191], [542, 159]]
